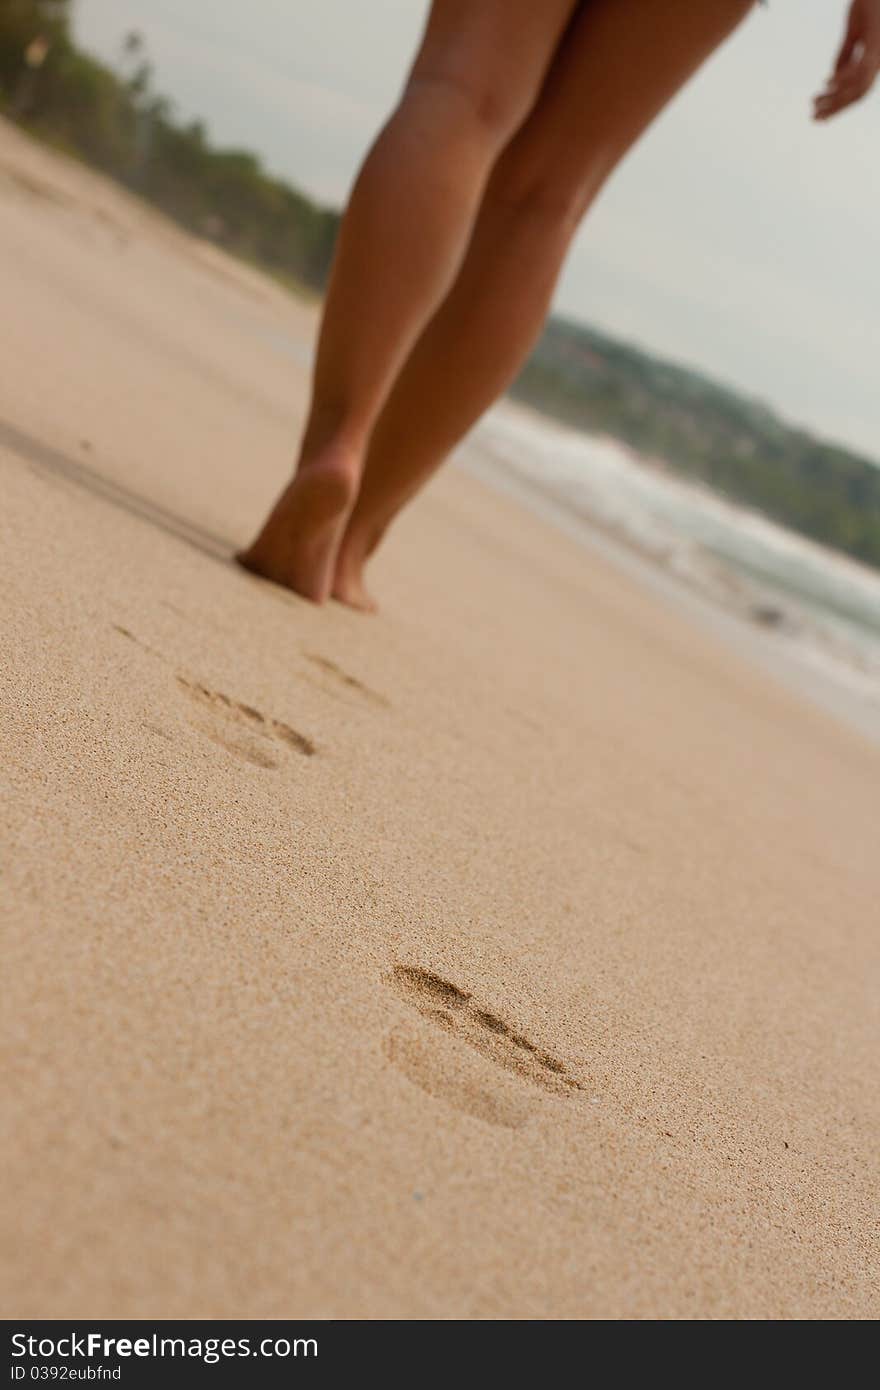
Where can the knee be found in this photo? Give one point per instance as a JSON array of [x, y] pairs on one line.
[[543, 188], [469, 106]]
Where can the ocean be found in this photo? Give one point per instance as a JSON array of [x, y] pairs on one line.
[[808, 614]]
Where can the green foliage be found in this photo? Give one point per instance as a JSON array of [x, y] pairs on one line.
[[116, 122], [706, 431], [21, 22]]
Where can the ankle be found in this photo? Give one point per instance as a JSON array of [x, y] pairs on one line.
[[336, 462], [333, 428]]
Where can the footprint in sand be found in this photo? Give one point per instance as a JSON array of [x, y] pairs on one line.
[[342, 680], [243, 730], [237, 727], [467, 1022], [458, 1078]]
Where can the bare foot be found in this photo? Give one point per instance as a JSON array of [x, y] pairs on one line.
[[298, 543], [348, 580]]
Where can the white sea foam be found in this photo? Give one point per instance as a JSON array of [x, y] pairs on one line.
[[822, 609]]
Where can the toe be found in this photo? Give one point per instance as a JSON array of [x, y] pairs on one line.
[[354, 595]]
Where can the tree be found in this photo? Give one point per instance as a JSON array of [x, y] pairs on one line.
[[31, 33]]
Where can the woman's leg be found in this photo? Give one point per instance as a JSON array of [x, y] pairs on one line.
[[477, 74], [619, 64]]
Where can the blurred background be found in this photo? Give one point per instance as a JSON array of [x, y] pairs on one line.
[[706, 391]]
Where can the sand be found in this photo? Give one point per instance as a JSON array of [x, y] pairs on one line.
[[513, 954]]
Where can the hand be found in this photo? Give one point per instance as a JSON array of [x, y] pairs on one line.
[[858, 61]]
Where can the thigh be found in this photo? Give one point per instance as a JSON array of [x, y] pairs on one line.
[[496, 52], [619, 63]]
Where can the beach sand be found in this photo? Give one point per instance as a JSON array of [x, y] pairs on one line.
[[512, 954]]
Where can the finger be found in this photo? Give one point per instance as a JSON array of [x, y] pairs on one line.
[[832, 92], [839, 98], [858, 74], [829, 103], [838, 93], [843, 95]]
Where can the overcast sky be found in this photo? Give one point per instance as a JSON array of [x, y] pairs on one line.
[[738, 237]]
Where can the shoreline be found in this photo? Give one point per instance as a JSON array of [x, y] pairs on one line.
[[725, 621]]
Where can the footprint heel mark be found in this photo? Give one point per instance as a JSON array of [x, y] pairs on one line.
[[342, 678], [462, 1086], [456, 1011], [243, 730]]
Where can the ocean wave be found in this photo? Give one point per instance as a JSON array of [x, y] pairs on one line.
[[822, 606]]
